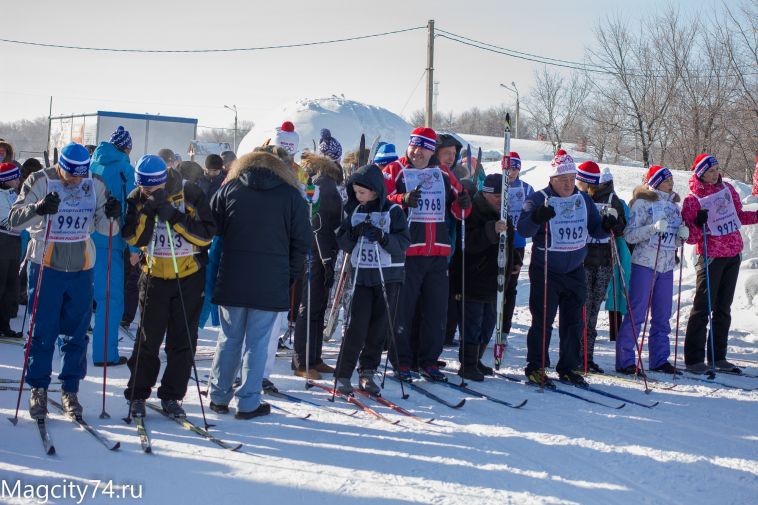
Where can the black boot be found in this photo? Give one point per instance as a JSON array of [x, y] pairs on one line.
[[469, 357], [482, 367]]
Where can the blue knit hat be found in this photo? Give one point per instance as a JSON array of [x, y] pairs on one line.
[[151, 171], [385, 154], [121, 138], [74, 159], [329, 146]]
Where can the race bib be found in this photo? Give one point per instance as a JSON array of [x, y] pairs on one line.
[[75, 212], [7, 199], [162, 244], [670, 212], [516, 199], [367, 253], [722, 215], [601, 207], [431, 207], [568, 229]]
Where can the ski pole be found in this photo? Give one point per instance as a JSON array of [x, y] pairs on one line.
[[141, 335], [33, 318], [628, 305], [614, 320], [649, 304], [708, 293], [584, 335], [104, 414], [678, 305], [309, 192], [186, 323], [462, 342], [390, 323], [544, 310], [336, 300]]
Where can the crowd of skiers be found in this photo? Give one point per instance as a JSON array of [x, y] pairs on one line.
[[254, 242]]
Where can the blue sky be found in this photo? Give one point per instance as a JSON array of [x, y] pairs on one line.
[[380, 71]]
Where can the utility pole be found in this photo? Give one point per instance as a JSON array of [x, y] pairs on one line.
[[233, 108], [49, 124], [428, 117]]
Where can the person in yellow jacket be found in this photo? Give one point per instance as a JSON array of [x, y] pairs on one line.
[[162, 201]]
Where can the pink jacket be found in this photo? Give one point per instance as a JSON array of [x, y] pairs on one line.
[[724, 246]]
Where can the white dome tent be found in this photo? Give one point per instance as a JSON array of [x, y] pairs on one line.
[[346, 119]]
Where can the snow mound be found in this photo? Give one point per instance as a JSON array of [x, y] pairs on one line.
[[346, 119]]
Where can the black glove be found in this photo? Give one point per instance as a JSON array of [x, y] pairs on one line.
[[167, 212], [356, 231], [156, 199], [701, 217], [464, 200], [543, 214], [609, 222], [411, 199], [112, 208], [373, 233], [48, 205]]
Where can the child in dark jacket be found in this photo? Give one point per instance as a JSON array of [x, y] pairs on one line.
[[10, 250], [375, 234]]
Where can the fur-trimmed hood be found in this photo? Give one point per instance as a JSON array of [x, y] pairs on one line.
[[9, 153], [645, 192], [318, 165], [262, 171]]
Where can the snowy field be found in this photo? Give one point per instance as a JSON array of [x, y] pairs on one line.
[[699, 445]]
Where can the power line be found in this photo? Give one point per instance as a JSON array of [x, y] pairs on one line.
[[212, 50]]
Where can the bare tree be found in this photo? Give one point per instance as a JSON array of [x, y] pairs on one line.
[[555, 102], [225, 134]]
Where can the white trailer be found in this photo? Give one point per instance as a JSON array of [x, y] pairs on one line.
[[149, 132]]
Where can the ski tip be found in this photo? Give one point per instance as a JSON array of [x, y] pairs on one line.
[[519, 405], [459, 404], [508, 117], [235, 448], [116, 446], [654, 405], [620, 406]]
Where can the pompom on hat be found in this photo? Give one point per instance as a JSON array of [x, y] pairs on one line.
[[121, 138], [285, 136], [329, 146], [74, 159]]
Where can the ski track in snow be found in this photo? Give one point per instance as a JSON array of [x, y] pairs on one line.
[[698, 446]]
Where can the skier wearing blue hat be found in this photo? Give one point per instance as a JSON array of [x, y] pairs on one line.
[[61, 207]]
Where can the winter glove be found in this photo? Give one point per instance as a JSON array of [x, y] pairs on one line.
[[660, 226], [610, 211], [112, 208], [356, 231], [167, 212], [543, 214], [609, 222], [464, 200], [701, 217], [48, 205], [156, 199], [411, 198], [683, 232], [373, 233]]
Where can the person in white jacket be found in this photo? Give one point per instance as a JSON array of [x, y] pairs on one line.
[[656, 229]]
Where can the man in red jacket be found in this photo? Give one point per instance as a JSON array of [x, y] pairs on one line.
[[423, 187]]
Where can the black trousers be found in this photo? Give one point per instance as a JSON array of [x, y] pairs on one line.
[[367, 330], [131, 288], [163, 316], [8, 291], [568, 292], [509, 304], [723, 277], [322, 278], [425, 291]]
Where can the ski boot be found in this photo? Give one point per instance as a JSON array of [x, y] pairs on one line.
[[137, 408], [343, 386], [38, 403], [667, 368], [173, 409], [723, 365], [71, 405], [366, 382], [538, 377], [571, 377]]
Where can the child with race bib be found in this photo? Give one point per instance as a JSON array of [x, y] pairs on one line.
[[715, 204], [656, 228], [162, 202], [375, 235]]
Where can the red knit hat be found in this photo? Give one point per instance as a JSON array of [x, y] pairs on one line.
[[588, 172], [702, 163], [656, 175], [515, 161], [424, 137], [8, 172], [287, 126]]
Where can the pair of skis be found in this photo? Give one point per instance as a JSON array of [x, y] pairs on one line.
[[502, 245]]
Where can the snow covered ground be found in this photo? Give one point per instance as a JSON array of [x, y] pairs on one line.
[[699, 445]]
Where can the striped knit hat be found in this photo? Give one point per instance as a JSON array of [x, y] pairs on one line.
[[74, 159], [515, 161], [385, 154], [121, 138], [562, 164], [656, 175], [151, 171], [329, 146], [702, 163], [588, 172], [8, 172], [424, 137]]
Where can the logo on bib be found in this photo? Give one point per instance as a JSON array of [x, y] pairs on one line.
[[722, 204]]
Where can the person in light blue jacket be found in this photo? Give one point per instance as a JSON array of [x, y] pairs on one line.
[[111, 162]]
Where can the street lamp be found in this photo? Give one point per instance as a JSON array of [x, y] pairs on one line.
[[233, 108], [514, 90]]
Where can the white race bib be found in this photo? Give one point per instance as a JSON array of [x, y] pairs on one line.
[[364, 253], [431, 206], [7, 199], [673, 216], [162, 245], [568, 229], [516, 199], [722, 215], [75, 212]]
